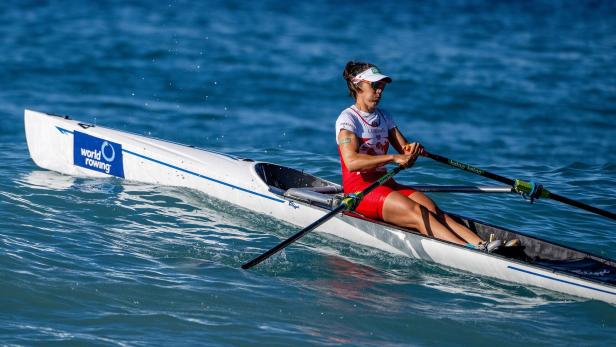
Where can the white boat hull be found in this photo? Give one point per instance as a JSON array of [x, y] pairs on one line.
[[72, 148]]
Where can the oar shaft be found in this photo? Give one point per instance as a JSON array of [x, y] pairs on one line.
[[293, 238], [349, 202], [462, 189], [582, 205], [470, 168], [517, 184]]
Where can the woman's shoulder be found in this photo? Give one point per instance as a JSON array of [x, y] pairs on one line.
[[346, 120], [347, 115]]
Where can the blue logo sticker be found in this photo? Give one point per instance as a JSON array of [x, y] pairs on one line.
[[97, 154]]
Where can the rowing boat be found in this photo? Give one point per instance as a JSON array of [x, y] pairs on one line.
[[71, 147]]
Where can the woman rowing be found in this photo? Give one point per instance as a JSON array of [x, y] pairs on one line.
[[364, 133]]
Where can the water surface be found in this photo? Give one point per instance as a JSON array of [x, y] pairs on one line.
[[526, 90]]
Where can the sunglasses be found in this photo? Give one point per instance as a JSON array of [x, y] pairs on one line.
[[377, 85]]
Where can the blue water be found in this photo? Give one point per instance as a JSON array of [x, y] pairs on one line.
[[523, 89]]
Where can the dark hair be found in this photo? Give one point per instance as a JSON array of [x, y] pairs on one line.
[[352, 69]]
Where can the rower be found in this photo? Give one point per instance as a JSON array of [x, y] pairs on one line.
[[364, 133]]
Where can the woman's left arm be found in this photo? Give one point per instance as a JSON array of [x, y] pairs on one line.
[[402, 145], [397, 140]]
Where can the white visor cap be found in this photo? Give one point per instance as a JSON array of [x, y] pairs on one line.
[[371, 74]]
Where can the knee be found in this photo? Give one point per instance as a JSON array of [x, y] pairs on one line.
[[433, 209], [417, 209], [431, 206], [426, 202], [418, 213]]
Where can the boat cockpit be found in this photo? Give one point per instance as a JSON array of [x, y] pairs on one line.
[[299, 185]]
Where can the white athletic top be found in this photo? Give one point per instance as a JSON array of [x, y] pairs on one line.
[[372, 130]]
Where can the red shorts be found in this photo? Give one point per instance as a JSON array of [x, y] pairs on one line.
[[371, 205]]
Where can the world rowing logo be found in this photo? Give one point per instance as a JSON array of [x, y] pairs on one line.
[[96, 154], [107, 158]]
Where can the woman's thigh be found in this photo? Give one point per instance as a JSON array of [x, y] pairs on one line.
[[416, 196], [399, 209], [424, 200], [371, 205]]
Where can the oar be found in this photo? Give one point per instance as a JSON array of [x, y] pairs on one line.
[[462, 189], [349, 202], [529, 189]]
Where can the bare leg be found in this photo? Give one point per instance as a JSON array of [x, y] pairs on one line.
[[462, 231], [400, 210]]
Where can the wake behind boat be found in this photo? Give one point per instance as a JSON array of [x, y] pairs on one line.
[[70, 147]]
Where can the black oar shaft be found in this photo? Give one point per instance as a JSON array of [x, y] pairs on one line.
[[582, 205], [293, 238], [471, 169], [347, 203], [513, 183]]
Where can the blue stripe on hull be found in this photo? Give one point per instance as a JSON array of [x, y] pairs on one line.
[[65, 131], [201, 176], [560, 280]]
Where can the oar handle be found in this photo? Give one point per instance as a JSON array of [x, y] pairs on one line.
[[519, 185]]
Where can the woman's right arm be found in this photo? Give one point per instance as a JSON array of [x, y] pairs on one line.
[[355, 161]]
